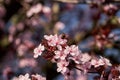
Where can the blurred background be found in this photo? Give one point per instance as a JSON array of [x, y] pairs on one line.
[[93, 25]]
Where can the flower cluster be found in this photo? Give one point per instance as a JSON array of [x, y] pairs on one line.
[[110, 9], [34, 10], [27, 77], [100, 62], [69, 57], [93, 26], [55, 40]]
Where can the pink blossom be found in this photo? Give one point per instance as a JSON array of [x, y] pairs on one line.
[[59, 25], [22, 48], [27, 62], [97, 63], [37, 8], [38, 51], [59, 54], [85, 58], [51, 41], [73, 50], [27, 77], [38, 77], [62, 66], [46, 9], [54, 40], [76, 59], [34, 10], [22, 77], [102, 61], [110, 6], [106, 61]]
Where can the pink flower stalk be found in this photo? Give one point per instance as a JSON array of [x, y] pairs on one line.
[[62, 66], [54, 40], [38, 51], [22, 77]]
